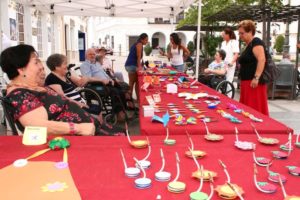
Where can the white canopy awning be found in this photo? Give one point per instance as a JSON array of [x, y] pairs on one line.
[[110, 8]]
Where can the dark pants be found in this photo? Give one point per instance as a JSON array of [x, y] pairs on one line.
[[210, 80], [116, 94]]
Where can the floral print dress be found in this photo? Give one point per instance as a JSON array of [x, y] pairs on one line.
[[58, 108]]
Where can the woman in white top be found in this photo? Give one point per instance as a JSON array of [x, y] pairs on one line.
[[176, 52], [231, 46]]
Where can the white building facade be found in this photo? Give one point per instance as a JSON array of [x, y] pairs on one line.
[[47, 32], [120, 33]]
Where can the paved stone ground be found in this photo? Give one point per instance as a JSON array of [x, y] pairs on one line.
[[285, 111]]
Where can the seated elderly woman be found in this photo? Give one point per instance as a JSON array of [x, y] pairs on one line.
[[215, 71], [34, 105], [66, 86]]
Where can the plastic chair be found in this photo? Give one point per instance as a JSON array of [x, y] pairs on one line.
[[286, 78]]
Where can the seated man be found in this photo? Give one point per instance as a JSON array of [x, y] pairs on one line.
[[105, 63], [96, 74], [215, 71]]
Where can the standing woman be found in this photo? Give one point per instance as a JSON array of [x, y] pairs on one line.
[[176, 52], [231, 46], [134, 63], [252, 61]]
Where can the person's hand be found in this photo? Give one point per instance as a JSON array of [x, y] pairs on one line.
[[207, 71], [85, 129], [161, 52], [83, 81], [254, 83], [298, 45], [82, 105], [105, 81], [112, 82]]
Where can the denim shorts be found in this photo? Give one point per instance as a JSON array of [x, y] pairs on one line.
[[179, 68], [131, 68]]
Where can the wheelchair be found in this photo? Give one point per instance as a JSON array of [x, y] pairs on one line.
[[218, 83], [100, 95]]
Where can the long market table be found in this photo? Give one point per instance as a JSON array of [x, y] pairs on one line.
[[221, 126], [97, 169]]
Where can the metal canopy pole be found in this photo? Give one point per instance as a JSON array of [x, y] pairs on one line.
[[297, 57], [198, 38], [1, 27]]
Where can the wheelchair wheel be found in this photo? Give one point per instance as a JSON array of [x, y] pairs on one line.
[[92, 99], [226, 88], [111, 119]]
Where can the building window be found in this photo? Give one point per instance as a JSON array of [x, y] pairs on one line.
[[112, 42], [39, 34], [20, 22]]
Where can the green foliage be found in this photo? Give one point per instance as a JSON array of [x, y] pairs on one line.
[[279, 42], [190, 18], [211, 43], [148, 49], [191, 47], [211, 7]]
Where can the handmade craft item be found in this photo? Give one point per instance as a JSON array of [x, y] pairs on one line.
[[172, 88], [261, 161], [144, 163], [297, 143], [180, 119], [182, 79], [287, 197], [130, 172], [168, 141], [294, 170], [264, 140], [288, 146], [280, 154], [44, 179], [193, 96], [156, 98], [241, 111], [162, 175], [191, 120], [198, 195], [193, 153], [135, 143], [211, 136], [229, 116], [34, 135], [264, 187], [274, 176], [213, 97], [244, 145], [206, 175], [229, 190], [164, 119], [176, 186], [142, 183]]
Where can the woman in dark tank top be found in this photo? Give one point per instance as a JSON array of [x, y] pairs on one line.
[[134, 62]]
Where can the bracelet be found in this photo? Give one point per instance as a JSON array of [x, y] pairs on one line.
[[72, 128]]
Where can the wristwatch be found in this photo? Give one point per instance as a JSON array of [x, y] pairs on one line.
[[256, 77]]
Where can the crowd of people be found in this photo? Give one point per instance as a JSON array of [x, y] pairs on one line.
[[53, 101]]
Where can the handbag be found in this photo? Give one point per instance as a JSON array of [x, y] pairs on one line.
[[271, 71]]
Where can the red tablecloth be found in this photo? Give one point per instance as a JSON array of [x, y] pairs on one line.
[[97, 168], [222, 126]]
